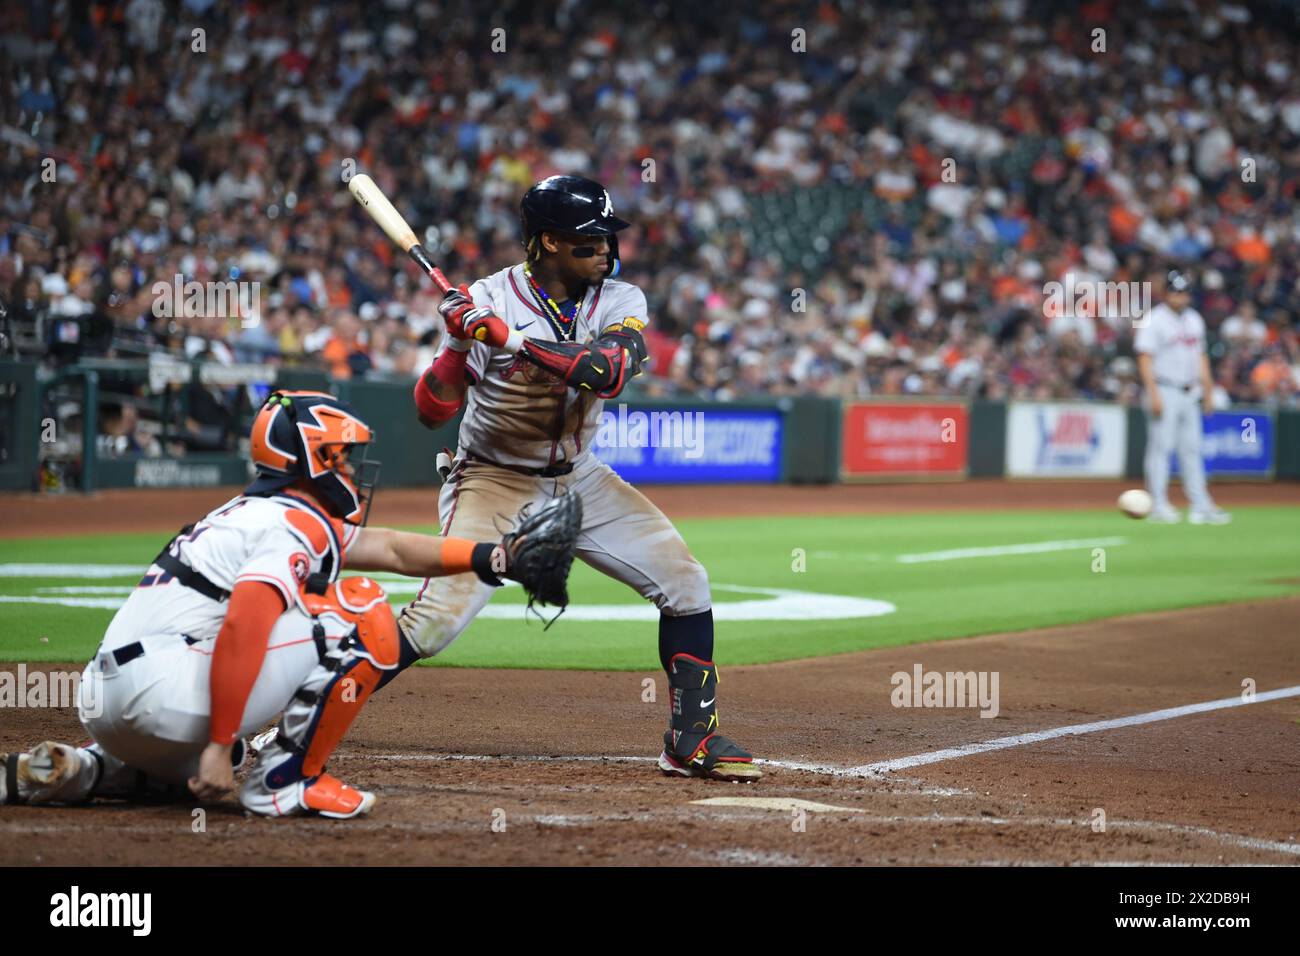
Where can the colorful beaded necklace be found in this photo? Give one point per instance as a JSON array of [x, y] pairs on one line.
[[565, 321]]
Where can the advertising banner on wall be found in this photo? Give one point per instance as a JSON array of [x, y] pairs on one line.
[[896, 439], [1237, 443], [645, 444], [1066, 440]]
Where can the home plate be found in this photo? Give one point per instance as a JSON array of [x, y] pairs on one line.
[[775, 803]]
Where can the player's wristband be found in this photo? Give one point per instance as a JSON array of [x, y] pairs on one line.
[[514, 341], [481, 561]]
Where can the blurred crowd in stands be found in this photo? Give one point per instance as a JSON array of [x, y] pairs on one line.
[[961, 156]]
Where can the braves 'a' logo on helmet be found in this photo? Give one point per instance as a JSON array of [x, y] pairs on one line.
[[314, 436]]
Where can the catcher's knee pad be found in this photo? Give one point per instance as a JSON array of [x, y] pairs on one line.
[[692, 737], [358, 604], [334, 692]]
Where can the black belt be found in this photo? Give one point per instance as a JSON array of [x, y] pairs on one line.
[[185, 574], [129, 652], [551, 471], [1181, 388]]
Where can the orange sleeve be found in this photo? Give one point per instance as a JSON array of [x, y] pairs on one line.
[[457, 555], [254, 608]]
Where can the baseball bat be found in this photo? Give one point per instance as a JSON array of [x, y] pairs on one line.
[[374, 201]]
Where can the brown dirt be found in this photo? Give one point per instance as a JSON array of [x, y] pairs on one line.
[[127, 510], [564, 758], [449, 750]]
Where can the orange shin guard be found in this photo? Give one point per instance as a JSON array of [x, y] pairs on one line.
[[336, 713], [338, 688]]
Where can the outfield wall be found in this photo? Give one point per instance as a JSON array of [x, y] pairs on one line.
[[801, 440]]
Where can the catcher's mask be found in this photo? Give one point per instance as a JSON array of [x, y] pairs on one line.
[[574, 205], [314, 436]]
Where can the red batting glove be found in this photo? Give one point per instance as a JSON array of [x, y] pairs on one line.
[[465, 320], [454, 306], [486, 326]]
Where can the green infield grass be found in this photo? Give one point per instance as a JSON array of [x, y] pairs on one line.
[[784, 587]]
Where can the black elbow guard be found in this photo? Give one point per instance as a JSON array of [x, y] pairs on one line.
[[631, 342], [626, 352], [603, 367], [582, 367]]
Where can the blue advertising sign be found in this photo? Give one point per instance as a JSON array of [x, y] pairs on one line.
[[648, 444], [1236, 443]]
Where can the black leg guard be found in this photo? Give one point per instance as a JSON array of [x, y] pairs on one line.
[[692, 745], [692, 634], [406, 656]]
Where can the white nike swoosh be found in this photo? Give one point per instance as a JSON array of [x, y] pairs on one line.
[[706, 703]]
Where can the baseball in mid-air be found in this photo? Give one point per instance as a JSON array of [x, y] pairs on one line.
[[1135, 503]]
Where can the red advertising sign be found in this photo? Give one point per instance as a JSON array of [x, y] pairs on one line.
[[897, 438]]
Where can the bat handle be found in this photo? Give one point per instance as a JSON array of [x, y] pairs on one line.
[[422, 259]]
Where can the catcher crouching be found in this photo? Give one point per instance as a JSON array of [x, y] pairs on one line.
[[244, 617]]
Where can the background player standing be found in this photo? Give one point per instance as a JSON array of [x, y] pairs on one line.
[[537, 347], [1175, 372]]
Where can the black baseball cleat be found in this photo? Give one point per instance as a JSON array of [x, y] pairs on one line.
[[717, 758], [692, 745]]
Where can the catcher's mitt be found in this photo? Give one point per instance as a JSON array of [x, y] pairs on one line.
[[540, 550]]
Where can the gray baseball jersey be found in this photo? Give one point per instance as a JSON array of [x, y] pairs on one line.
[[1175, 341], [516, 413]]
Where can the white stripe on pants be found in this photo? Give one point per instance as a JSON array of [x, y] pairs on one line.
[[1177, 429]]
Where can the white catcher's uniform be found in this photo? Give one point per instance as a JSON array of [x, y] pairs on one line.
[[1175, 341], [520, 419], [145, 697]]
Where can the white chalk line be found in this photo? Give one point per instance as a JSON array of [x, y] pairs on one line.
[[747, 857], [1233, 839], [1179, 829], [917, 786], [475, 758], [762, 604], [1003, 550], [1038, 736], [876, 771], [731, 815]]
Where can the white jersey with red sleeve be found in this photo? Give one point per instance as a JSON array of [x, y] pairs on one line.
[[518, 414], [279, 540]]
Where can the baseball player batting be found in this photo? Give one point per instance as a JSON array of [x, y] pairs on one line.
[[1175, 372], [532, 353], [243, 617]]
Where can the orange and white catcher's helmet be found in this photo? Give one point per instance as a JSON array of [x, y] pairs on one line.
[[305, 435]]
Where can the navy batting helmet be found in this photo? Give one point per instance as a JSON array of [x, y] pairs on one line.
[[572, 204]]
